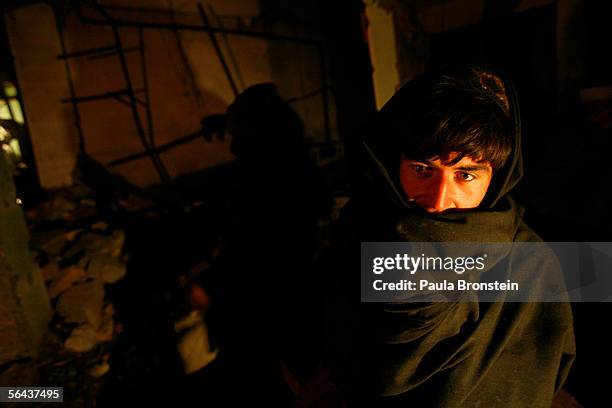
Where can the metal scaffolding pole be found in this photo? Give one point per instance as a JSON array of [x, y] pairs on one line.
[[215, 44], [157, 163], [75, 108]]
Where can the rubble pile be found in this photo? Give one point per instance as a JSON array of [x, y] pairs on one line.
[[78, 253]]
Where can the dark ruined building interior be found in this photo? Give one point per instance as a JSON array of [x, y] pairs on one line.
[[123, 175]]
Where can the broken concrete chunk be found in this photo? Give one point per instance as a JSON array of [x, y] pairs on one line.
[[98, 244], [55, 245], [194, 344], [99, 370], [82, 303], [88, 202], [99, 226], [50, 271], [93, 242], [106, 330], [71, 235], [61, 206], [114, 245], [106, 268], [82, 339], [66, 279], [109, 309]]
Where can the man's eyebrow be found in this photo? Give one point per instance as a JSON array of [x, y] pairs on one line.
[[423, 161], [475, 167], [472, 167]]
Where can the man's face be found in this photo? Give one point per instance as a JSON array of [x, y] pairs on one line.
[[437, 187]]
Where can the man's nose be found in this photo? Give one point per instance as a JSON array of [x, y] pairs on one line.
[[439, 194]]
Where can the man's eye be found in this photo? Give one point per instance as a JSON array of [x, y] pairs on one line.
[[420, 169], [466, 176]]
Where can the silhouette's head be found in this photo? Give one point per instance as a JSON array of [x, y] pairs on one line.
[[263, 125]]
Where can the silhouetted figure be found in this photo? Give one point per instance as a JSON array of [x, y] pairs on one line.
[[261, 283]]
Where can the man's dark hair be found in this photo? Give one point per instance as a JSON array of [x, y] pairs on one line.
[[462, 116]]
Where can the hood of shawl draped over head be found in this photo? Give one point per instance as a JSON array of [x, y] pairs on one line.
[[396, 129]]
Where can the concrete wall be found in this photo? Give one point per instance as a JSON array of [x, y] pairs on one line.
[[24, 305], [383, 52], [42, 82], [185, 79], [414, 23]]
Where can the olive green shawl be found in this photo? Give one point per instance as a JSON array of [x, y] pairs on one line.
[[442, 354]]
